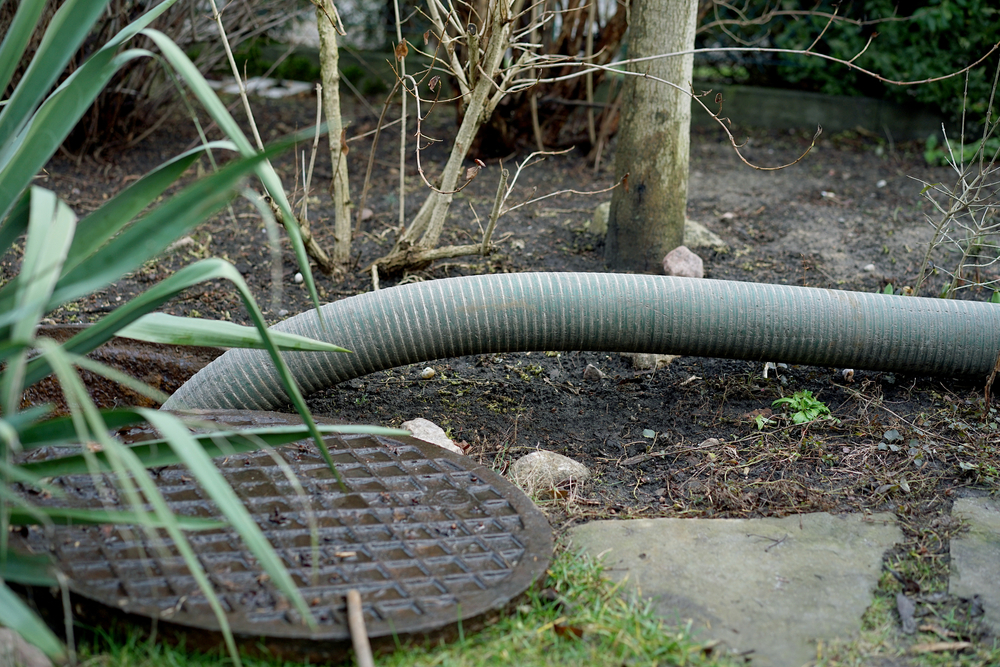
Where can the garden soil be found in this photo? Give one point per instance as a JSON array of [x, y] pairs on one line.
[[693, 438]]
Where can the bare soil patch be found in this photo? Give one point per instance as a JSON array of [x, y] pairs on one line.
[[898, 443]]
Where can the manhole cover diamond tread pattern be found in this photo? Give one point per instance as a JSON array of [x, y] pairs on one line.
[[428, 538]]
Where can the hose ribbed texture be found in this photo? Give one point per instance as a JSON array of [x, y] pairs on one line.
[[609, 312]]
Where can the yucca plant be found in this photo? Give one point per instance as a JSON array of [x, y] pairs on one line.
[[64, 258]]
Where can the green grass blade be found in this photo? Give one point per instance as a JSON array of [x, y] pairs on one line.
[[135, 485], [68, 28], [26, 418], [154, 232], [61, 431], [70, 516], [16, 223], [16, 615], [27, 569], [124, 379], [14, 473], [217, 110], [51, 225], [173, 330], [94, 230], [157, 453], [212, 481], [42, 135], [16, 39]]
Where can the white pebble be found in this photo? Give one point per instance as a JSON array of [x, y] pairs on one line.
[[297, 278], [827, 195], [870, 268], [881, 183], [428, 373]]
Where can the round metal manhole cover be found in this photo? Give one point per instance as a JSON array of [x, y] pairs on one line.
[[429, 538]]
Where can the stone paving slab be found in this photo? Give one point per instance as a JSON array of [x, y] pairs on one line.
[[766, 587], [975, 556]]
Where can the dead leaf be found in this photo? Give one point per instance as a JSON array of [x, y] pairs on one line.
[[766, 413], [344, 148], [940, 632], [568, 630], [427, 37], [474, 170], [938, 647], [433, 83], [401, 50]]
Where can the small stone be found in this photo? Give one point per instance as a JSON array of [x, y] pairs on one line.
[[183, 242], [647, 362], [728, 215], [881, 183], [697, 235], [298, 278], [682, 262], [15, 651], [428, 431], [367, 213], [848, 374], [546, 474], [593, 373], [282, 313], [868, 268], [599, 222], [827, 195], [428, 373]]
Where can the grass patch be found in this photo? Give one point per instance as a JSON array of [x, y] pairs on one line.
[[579, 617]]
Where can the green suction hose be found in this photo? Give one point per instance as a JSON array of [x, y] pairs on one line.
[[609, 312]]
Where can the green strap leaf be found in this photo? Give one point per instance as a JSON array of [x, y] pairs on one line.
[[69, 26], [94, 230], [212, 481], [62, 431], [43, 133], [217, 110], [70, 516], [173, 330], [16, 223], [16, 615], [16, 39], [153, 233], [27, 569], [157, 453], [51, 225]]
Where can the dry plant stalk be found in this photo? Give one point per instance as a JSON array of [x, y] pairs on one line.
[[340, 188], [967, 212]]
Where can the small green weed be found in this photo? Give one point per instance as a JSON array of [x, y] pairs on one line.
[[937, 154], [805, 407]]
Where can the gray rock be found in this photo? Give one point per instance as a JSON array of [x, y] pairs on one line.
[[697, 235], [592, 373], [647, 362], [771, 586], [428, 431], [14, 651], [546, 474], [599, 222], [682, 262], [975, 556]]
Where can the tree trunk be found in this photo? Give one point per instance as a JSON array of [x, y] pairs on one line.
[[647, 214], [330, 73]]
